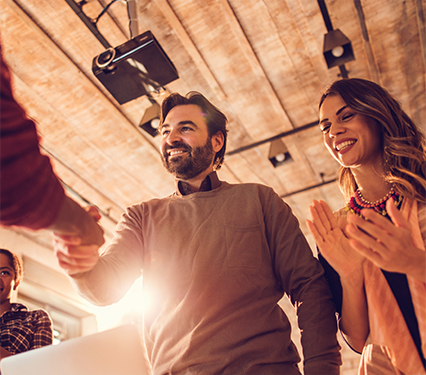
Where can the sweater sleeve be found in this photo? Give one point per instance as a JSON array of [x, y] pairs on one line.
[[31, 195], [302, 278], [119, 266]]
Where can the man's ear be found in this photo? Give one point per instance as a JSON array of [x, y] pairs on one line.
[[217, 141]]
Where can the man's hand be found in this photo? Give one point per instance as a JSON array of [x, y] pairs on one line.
[[78, 254], [74, 221], [74, 257]]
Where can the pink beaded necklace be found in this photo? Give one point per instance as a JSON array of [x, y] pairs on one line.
[[358, 202]]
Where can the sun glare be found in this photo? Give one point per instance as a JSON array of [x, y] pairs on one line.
[[131, 306]]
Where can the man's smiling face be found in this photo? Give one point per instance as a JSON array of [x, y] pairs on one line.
[[186, 147]]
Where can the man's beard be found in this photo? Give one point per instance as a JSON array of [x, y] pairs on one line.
[[188, 166]]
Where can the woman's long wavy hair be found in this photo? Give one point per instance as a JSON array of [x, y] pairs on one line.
[[404, 145]]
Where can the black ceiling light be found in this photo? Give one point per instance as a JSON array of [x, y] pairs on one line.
[[278, 153], [151, 119], [337, 49]]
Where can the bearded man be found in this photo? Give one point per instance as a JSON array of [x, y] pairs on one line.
[[217, 258]]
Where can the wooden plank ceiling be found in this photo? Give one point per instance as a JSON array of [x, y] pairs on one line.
[[260, 61]]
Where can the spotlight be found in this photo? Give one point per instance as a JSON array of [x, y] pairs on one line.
[[337, 49], [151, 119], [278, 153]]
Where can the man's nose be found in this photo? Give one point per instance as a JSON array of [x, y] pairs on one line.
[[173, 136]]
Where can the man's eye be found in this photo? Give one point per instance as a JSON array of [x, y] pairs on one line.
[[186, 128], [165, 132]]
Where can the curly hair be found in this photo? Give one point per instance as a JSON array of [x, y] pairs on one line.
[[215, 119], [404, 145], [16, 263]]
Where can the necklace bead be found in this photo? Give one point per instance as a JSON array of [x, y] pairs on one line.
[[379, 201], [358, 202]]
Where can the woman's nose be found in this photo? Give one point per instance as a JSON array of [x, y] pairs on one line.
[[335, 129]]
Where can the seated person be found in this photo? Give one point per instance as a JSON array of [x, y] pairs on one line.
[[20, 329]]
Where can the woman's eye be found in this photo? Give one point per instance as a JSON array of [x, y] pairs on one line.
[[325, 128], [347, 116]]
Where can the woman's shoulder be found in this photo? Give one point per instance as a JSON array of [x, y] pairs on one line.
[[20, 313], [38, 315]]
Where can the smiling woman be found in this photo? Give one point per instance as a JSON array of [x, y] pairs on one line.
[[376, 268], [20, 329], [402, 142], [347, 130]]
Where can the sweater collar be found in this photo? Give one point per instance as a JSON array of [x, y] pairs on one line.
[[211, 182]]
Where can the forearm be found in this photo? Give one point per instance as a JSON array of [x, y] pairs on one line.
[[354, 318], [30, 193], [109, 280], [317, 322], [417, 268], [105, 279], [94, 287], [73, 220]]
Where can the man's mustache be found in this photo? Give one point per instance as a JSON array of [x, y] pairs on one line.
[[179, 145]]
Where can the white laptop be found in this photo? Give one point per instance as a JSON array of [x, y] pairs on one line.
[[118, 351]]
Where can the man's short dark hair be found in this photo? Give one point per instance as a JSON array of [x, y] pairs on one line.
[[215, 119]]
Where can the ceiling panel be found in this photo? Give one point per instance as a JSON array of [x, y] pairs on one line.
[[260, 61]]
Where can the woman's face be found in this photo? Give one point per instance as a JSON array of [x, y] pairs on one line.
[[7, 278], [353, 139]]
